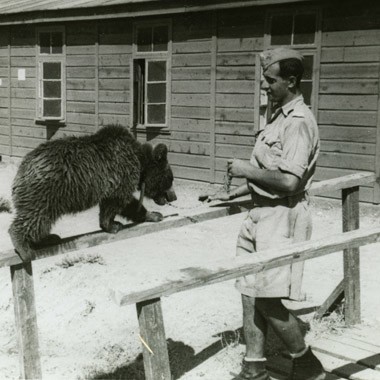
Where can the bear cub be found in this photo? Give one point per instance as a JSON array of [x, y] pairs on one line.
[[73, 174]]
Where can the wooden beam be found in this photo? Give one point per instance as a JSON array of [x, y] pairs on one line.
[[152, 336], [332, 301], [357, 179], [351, 257], [26, 320], [131, 230], [218, 271], [76, 15]]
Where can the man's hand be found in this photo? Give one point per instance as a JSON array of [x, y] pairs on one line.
[[238, 168]]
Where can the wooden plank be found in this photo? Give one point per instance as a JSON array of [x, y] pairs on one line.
[[191, 100], [80, 60], [114, 60], [116, 72], [191, 87], [348, 118], [347, 161], [350, 209], [26, 320], [80, 107], [92, 239], [191, 112], [349, 70], [235, 86], [242, 152], [190, 136], [237, 44], [190, 147], [346, 369], [190, 160], [235, 73], [357, 179], [80, 95], [351, 38], [350, 54], [237, 59], [106, 119], [191, 73], [80, 84], [113, 84], [218, 271], [194, 174], [246, 115], [189, 125], [114, 96], [181, 47], [348, 147], [332, 301], [235, 101], [80, 72], [191, 60], [152, 335], [235, 128], [366, 135], [348, 86], [348, 102]]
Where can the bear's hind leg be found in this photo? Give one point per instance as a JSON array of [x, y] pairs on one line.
[[109, 208]]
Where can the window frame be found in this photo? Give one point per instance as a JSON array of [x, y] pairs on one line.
[[149, 56], [313, 49], [50, 58]]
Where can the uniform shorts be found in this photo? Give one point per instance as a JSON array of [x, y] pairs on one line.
[[270, 224]]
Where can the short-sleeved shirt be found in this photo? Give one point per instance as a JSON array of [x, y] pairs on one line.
[[289, 143]]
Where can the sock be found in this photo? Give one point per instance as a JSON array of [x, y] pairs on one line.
[[254, 359], [299, 354]]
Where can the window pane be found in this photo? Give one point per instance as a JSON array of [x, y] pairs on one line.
[[308, 67], [52, 89], [306, 88], [45, 43], [144, 39], [52, 108], [156, 92], [156, 71], [57, 43], [156, 113], [52, 70], [281, 30], [160, 38], [304, 29]]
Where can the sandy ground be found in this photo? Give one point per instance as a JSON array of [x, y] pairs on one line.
[[85, 335]]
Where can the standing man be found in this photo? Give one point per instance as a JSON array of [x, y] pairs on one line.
[[278, 175]]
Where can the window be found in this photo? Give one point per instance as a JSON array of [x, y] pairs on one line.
[[150, 75], [297, 30], [294, 29], [51, 84]]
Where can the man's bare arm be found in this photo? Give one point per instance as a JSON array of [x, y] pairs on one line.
[[273, 179]]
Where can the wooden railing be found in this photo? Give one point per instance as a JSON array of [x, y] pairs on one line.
[[148, 300]]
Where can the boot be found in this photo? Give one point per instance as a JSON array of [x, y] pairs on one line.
[[307, 367], [253, 371]]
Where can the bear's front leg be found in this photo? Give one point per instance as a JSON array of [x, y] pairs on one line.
[[108, 211], [139, 214]]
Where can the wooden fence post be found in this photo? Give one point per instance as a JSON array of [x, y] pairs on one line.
[[152, 335], [350, 208], [26, 320]]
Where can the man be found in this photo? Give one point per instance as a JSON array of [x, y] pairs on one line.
[[278, 175]]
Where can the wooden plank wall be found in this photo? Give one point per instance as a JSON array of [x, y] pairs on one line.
[[348, 93], [5, 141], [115, 51], [190, 101], [25, 134], [240, 36]]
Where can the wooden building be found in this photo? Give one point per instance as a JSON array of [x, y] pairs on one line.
[[187, 73]]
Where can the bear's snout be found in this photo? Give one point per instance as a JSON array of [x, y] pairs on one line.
[[171, 195]]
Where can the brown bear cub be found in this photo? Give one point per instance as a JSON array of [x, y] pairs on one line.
[[73, 174]]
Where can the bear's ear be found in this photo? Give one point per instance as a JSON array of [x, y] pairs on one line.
[[147, 151], [160, 153]]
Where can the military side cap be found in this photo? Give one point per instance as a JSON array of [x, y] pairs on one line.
[[271, 56]]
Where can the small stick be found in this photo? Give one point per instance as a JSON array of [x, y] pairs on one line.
[[146, 345], [169, 215]]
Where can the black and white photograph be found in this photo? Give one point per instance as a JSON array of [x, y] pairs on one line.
[[189, 190]]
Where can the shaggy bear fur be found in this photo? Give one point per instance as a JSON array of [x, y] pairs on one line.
[[72, 174]]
